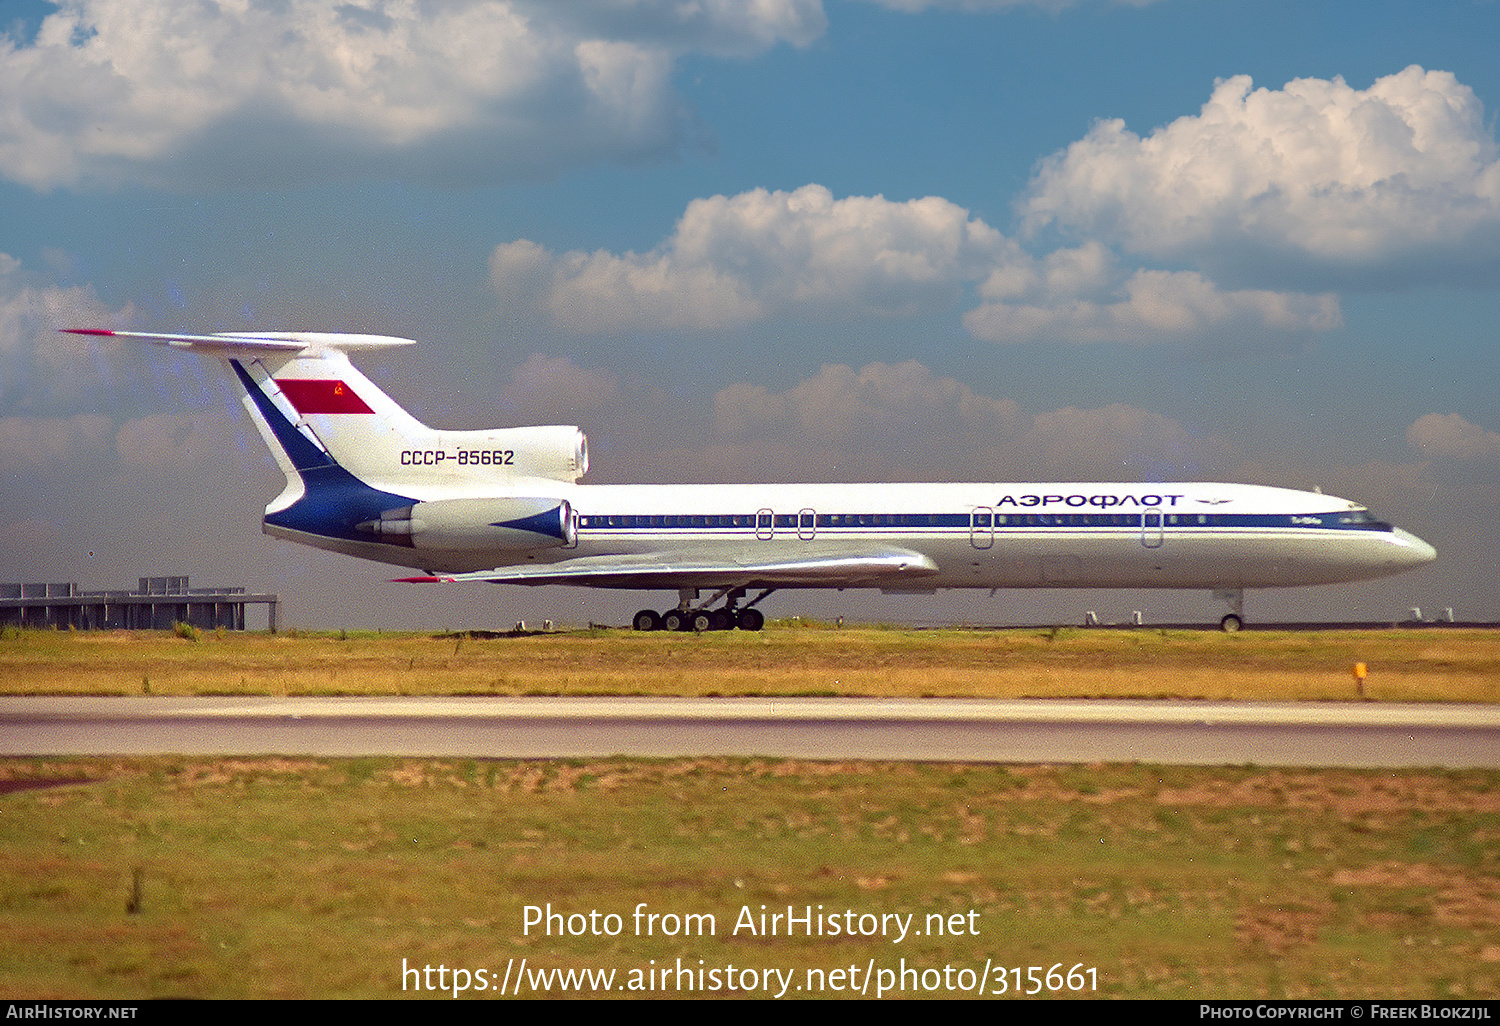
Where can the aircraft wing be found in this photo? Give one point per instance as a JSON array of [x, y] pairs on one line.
[[694, 570]]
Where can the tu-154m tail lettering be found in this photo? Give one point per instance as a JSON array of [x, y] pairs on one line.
[[367, 479]]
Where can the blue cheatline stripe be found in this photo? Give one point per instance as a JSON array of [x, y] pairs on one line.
[[333, 499], [863, 522]]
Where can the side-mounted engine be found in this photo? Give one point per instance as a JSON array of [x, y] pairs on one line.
[[477, 525]]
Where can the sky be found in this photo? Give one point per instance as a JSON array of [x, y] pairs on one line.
[[781, 240]]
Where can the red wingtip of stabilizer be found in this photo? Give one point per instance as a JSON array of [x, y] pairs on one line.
[[421, 580], [87, 331]]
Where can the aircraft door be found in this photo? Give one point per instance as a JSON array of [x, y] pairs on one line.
[[1153, 528], [572, 542], [982, 527], [765, 524], [807, 524]]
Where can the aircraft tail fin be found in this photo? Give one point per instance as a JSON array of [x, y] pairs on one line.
[[316, 410]]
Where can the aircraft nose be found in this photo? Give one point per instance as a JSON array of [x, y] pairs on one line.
[[1413, 550]]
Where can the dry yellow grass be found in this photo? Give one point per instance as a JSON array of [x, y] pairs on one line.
[[1404, 665]]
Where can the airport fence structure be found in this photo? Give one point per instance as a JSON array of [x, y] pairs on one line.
[[157, 604]]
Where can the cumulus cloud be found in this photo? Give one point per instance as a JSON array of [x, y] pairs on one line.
[[902, 422], [172, 444], [464, 91], [38, 365], [736, 260], [879, 422], [876, 405], [1334, 177], [980, 6], [1128, 438], [554, 388], [1451, 437], [1083, 295]]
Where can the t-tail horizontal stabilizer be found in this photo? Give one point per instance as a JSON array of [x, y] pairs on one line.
[[251, 341]]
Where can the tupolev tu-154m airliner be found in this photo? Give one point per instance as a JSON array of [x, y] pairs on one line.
[[367, 479]]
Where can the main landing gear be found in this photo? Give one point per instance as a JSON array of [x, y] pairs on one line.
[[687, 617]]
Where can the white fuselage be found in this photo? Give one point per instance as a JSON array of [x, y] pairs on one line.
[[983, 535]]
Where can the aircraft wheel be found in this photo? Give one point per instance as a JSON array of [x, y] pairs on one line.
[[720, 620], [700, 621], [1231, 623], [646, 620], [674, 620], [751, 619]]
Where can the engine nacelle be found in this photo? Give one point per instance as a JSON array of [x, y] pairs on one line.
[[477, 525], [553, 451], [559, 453]]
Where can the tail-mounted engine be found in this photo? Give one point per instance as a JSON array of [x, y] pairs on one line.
[[477, 525], [559, 453], [553, 452]]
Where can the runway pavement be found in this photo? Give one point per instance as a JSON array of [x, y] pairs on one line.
[[1050, 731]]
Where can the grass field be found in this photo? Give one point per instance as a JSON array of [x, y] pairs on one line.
[[273, 877], [1411, 665], [316, 878]]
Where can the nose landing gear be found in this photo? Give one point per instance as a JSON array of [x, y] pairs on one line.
[[1235, 620]]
